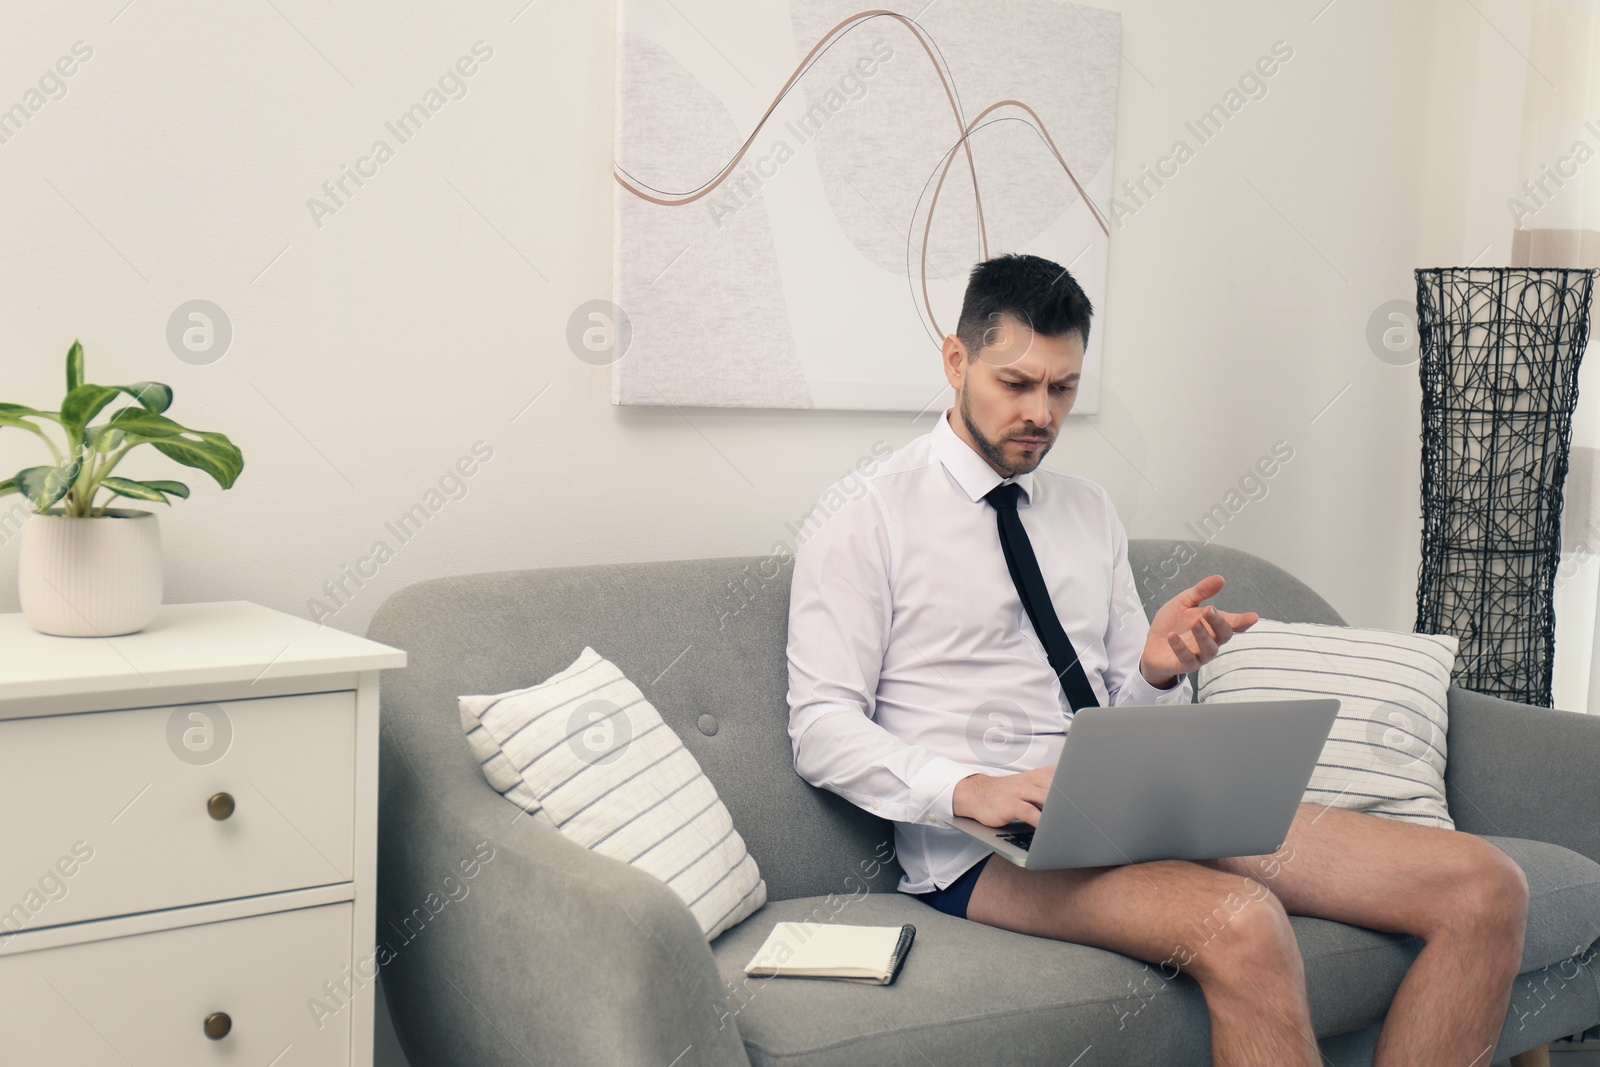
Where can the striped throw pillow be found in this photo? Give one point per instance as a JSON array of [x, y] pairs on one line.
[[497, 768], [1386, 752], [604, 768]]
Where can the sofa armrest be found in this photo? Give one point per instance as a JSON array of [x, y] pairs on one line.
[[546, 953], [1518, 771]]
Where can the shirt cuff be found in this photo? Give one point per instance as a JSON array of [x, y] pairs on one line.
[[933, 790], [1143, 692]]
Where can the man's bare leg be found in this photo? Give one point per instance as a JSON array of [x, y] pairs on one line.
[[1465, 898], [1226, 931]]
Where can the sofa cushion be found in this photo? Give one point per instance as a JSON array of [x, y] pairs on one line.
[[1386, 752], [1563, 899], [613, 776], [974, 993]]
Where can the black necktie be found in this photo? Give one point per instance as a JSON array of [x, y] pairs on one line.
[[1025, 575]]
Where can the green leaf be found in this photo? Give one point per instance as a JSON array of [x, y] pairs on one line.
[[82, 404], [19, 414], [45, 486], [213, 453], [9, 486], [209, 452], [86, 401], [74, 365], [152, 396], [145, 423], [106, 438], [169, 487], [136, 490]]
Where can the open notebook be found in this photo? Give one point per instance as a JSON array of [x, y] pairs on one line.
[[871, 954]]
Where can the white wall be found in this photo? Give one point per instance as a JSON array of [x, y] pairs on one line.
[[371, 352]]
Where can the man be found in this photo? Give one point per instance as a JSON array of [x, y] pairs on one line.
[[920, 690]]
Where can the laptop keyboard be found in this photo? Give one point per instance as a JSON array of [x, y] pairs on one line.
[[1023, 839]]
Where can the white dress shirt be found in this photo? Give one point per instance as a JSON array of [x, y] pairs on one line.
[[912, 663]]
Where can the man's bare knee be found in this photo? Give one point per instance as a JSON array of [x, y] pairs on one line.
[[1245, 936], [1489, 894]]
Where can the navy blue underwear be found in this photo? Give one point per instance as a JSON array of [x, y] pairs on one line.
[[953, 898]]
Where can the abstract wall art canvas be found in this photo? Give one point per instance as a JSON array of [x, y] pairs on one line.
[[802, 186]]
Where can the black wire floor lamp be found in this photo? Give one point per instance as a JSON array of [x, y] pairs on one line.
[[1500, 353]]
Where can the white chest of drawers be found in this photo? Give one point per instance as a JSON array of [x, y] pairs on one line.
[[188, 842]]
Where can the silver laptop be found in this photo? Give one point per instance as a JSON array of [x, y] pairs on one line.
[[1171, 781]]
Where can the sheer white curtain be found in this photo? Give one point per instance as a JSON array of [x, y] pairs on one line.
[[1555, 210]]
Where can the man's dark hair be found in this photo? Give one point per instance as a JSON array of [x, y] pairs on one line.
[[1038, 293]]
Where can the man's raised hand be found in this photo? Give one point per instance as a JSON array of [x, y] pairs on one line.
[[1186, 632]]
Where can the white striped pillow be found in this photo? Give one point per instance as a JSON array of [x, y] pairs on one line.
[[497, 768], [1386, 752], [606, 770]]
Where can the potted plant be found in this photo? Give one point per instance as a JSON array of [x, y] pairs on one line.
[[88, 569]]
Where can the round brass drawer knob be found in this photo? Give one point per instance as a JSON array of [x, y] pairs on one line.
[[219, 807], [218, 1024]]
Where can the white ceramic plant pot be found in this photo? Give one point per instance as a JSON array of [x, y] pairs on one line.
[[95, 577]]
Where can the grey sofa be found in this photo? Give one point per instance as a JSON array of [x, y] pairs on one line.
[[552, 954]]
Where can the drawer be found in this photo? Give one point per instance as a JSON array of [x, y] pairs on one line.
[[144, 999], [107, 814]]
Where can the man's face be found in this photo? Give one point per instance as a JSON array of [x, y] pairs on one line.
[[1012, 398]]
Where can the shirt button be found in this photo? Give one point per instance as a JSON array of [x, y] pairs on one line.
[[874, 805]]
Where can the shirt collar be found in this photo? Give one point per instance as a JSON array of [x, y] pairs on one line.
[[970, 470]]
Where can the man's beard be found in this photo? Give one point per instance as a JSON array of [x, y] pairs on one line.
[[995, 452]]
